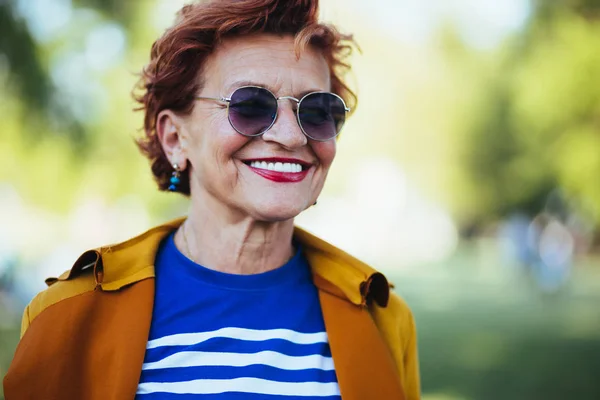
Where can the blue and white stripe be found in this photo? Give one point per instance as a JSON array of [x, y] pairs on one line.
[[274, 362], [188, 339]]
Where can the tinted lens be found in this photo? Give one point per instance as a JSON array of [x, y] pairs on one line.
[[252, 110], [321, 115]]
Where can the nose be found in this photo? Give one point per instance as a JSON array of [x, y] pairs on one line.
[[286, 131]]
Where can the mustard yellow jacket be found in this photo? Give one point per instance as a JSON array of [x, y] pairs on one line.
[[84, 338]]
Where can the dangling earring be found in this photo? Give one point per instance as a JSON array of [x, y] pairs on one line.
[[175, 178]]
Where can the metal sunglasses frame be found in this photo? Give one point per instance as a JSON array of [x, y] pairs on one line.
[[298, 102]]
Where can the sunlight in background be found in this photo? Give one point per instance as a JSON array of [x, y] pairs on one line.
[[105, 46], [383, 219], [45, 18], [482, 23]]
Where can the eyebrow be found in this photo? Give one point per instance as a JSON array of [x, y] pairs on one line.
[[238, 84]]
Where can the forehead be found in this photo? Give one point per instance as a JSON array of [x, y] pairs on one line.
[[265, 60]]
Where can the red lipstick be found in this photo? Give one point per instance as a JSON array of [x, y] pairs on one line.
[[277, 176]]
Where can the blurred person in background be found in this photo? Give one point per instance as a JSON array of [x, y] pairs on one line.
[[243, 103]]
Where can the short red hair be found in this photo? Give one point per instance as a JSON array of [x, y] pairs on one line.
[[171, 79]]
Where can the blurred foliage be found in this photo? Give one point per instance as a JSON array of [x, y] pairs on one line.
[[550, 9], [20, 55], [537, 122]]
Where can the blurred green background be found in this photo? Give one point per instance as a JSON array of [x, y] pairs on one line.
[[469, 174]]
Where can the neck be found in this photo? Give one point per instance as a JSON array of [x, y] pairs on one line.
[[246, 246]]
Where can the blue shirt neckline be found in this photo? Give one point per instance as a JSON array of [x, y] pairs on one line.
[[295, 271]]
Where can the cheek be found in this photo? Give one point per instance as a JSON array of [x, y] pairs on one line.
[[325, 152], [216, 140], [226, 144]]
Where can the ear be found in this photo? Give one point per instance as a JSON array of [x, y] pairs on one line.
[[168, 129]]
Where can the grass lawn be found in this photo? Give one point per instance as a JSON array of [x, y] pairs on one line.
[[488, 333]]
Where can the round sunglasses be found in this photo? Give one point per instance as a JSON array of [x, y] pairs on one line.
[[252, 110]]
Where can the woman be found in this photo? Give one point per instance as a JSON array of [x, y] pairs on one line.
[[243, 102]]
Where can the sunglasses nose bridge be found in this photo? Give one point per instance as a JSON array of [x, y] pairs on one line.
[[292, 98], [290, 134], [288, 98]]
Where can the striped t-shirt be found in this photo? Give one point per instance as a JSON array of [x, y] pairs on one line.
[[221, 336]]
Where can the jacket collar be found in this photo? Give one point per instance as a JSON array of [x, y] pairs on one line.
[[334, 271]]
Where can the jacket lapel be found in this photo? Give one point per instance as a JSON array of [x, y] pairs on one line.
[[121, 358], [90, 346], [363, 363]]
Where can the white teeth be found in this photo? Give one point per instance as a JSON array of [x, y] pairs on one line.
[[278, 166]]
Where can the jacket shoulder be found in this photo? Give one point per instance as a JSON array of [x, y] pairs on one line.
[[396, 323], [350, 278], [60, 289], [398, 306], [397, 313], [108, 268]]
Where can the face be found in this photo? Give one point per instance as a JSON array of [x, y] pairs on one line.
[[227, 168]]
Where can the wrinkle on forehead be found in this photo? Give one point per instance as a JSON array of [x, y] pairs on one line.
[[265, 60]]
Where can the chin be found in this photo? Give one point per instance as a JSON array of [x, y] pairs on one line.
[[279, 212]]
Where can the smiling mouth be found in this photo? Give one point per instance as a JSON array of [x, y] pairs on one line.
[[277, 166], [279, 170]]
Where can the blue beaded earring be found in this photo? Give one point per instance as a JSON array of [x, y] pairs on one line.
[[175, 178]]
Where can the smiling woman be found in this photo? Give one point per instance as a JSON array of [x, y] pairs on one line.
[[243, 102], [209, 145]]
